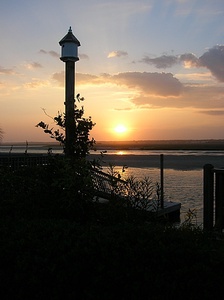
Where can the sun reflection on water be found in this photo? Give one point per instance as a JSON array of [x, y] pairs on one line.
[[121, 153]]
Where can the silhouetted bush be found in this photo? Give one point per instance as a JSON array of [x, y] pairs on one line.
[[61, 189], [57, 243]]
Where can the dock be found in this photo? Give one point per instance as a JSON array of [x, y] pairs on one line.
[[171, 210]]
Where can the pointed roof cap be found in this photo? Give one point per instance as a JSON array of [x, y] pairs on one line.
[[69, 38]]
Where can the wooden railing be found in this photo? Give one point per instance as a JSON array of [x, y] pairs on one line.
[[213, 198], [105, 184], [16, 161]]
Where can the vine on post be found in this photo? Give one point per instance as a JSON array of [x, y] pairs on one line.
[[82, 142]]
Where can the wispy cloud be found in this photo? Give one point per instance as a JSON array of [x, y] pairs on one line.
[[33, 65], [51, 53], [117, 53], [56, 55], [83, 56], [35, 83], [6, 71], [123, 109], [161, 62], [123, 9], [212, 112], [82, 78], [59, 77]]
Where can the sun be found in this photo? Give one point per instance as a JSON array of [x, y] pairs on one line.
[[120, 129]]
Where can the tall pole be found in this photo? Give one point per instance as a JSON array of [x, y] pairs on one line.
[[69, 107], [69, 54]]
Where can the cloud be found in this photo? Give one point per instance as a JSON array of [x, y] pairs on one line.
[[6, 71], [123, 109], [36, 84], [190, 60], [213, 60], [83, 56], [197, 97], [161, 62], [121, 9], [117, 53], [156, 90], [51, 53], [157, 84], [82, 79], [212, 112], [168, 61], [33, 65], [85, 79], [43, 51], [160, 84], [59, 77]]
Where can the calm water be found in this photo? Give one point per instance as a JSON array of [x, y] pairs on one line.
[[183, 173], [181, 186], [183, 170]]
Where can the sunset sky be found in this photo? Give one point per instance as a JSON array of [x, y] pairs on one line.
[[148, 69]]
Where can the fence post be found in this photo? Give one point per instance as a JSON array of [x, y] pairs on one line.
[[219, 198], [162, 181], [208, 192]]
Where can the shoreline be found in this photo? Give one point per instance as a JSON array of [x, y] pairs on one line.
[[209, 144], [175, 162], [182, 162]]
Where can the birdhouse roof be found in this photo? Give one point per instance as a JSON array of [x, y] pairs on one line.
[[69, 38]]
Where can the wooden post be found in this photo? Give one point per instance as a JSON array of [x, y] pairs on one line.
[[219, 198], [208, 191], [69, 108], [69, 54], [161, 181]]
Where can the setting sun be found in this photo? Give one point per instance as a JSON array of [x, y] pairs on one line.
[[120, 128]]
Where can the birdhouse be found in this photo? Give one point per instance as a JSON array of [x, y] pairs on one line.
[[69, 47]]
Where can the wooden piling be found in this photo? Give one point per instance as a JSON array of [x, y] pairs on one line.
[[161, 181], [208, 197], [219, 198]]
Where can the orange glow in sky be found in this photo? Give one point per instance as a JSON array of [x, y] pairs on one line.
[[149, 75]]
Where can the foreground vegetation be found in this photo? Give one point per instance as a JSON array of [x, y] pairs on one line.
[[57, 243]]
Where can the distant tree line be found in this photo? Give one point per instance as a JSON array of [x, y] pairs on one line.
[[1, 134]]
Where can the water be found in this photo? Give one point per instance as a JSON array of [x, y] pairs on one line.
[[185, 187], [183, 173], [183, 170]]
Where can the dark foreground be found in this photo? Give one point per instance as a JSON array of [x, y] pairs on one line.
[[56, 243], [60, 259]]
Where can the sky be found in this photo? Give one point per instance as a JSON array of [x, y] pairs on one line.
[[148, 69]]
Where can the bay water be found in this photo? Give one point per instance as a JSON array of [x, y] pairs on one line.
[[182, 173], [183, 170]]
